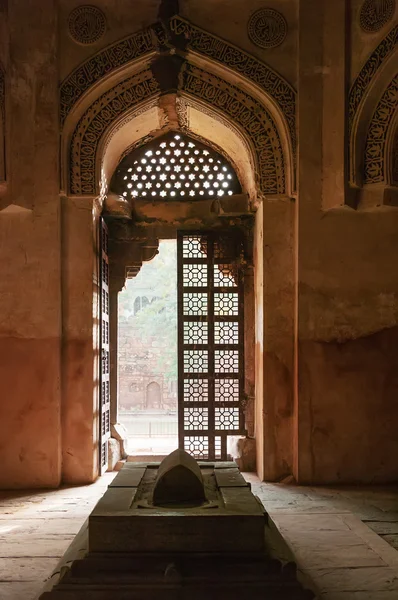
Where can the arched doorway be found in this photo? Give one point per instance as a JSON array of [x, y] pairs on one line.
[[153, 396], [253, 124]]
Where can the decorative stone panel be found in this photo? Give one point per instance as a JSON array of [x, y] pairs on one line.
[[195, 39], [369, 71], [94, 123], [375, 152], [102, 64], [248, 66], [375, 14], [242, 109], [247, 113], [267, 28], [87, 24]]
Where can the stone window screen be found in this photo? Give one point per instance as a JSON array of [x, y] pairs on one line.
[[175, 167]]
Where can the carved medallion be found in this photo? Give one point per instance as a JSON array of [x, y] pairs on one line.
[[87, 24], [375, 14], [267, 28]]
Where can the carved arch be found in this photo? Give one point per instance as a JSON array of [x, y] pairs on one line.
[[184, 39], [117, 104], [377, 157], [364, 95]]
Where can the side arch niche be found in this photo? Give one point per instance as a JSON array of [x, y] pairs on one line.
[[378, 174], [366, 123]]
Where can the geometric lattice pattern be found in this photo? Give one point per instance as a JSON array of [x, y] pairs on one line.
[[196, 390], [226, 390], [195, 361], [226, 418], [176, 167], [194, 247], [226, 304], [105, 424], [197, 446], [224, 276], [226, 332], [195, 304], [195, 333], [226, 361], [210, 342], [195, 275], [196, 418]]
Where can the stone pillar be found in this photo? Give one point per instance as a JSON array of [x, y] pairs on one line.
[[30, 319], [310, 169], [80, 300], [275, 311], [335, 138]]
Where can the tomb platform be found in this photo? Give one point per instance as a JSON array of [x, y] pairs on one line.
[[177, 530]]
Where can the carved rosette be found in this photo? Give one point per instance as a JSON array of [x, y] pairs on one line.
[[375, 153], [267, 28], [96, 120], [147, 41], [375, 14], [86, 24], [244, 64]]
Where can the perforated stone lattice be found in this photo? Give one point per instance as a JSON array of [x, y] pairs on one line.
[[175, 168]]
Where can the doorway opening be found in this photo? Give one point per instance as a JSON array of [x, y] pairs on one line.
[[147, 355]]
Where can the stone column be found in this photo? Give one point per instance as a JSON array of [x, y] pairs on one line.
[[335, 92], [275, 312], [80, 300], [310, 169]]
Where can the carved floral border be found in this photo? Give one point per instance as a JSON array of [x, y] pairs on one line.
[[375, 150], [243, 110], [148, 40], [368, 71]]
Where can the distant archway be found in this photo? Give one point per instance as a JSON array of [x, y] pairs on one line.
[[153, 398]]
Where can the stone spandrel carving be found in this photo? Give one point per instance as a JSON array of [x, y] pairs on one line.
[[103, 63], [94, 123], [375, 14], [369, 71], [375, 155], [232, 57], [267, 28], [87, 24], [248, 114]]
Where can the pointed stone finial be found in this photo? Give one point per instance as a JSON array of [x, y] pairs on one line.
[[179, 481]]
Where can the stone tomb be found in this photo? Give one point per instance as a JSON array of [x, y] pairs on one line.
[[177, 530]]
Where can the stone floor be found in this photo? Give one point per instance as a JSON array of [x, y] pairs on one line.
[[333, 533]]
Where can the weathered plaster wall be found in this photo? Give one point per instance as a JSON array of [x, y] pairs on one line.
[[30, 323], [346, 410], [347, 308]]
